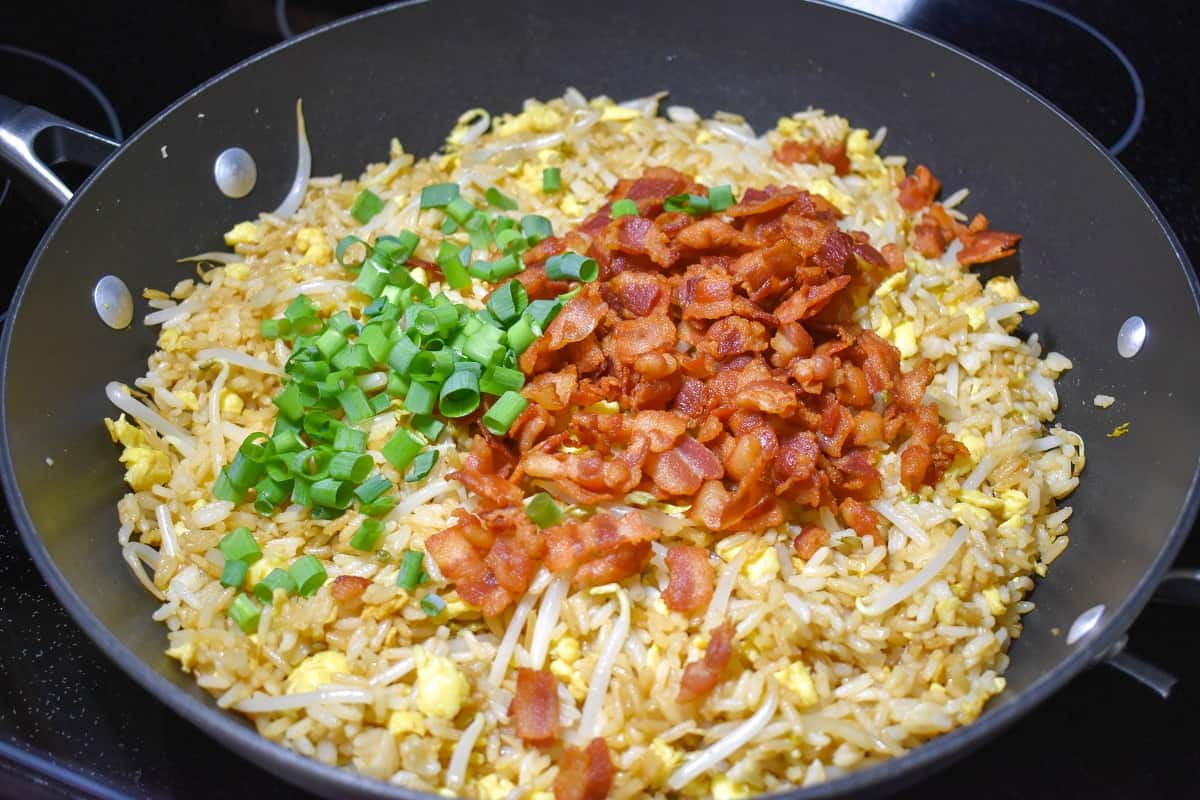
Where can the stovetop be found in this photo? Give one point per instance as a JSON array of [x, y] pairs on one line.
[[72, 725]]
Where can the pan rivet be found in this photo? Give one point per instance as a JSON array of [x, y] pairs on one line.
[[235, 172], [1131, 337], [113, 302], [1084, 623]]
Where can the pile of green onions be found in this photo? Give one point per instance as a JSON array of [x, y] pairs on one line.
[[409, 349], [304, 577]]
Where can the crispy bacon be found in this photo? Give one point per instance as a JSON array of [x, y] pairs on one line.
[[534, 708], [681, 470], [701, 677], [988, 246], [348, 588], [585, 773], [691, 578], [861, 517], [810, 539], [919, 189], [570, 544]]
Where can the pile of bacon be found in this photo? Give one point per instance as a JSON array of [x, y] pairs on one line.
[[714, 364]]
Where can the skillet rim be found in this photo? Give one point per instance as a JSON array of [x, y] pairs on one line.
[[239, 737]]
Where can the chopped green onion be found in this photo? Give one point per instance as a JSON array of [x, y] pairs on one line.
[[398, 249], [422, 465], [353, 467], [449, 259], [536, 228], [410, 569], [551, 180], [277, 578], [432, 605], [343, 323], [275, 328], [542, 510], [245, 612], [459, 209], [333, 493], [572, 266], [449, 226], [624, 208], [367, 535], [428, 426], [374, 337], [302, 492], [521, 335], [330, 342], [270, 493], [373, 488], [510, 241], [438, 195], [402, 355], [720, 197], [498, 380], [495, 271], [234, 573], [380, 403], [380, 507], [326, 512], [498, 199], [350, 440], [308, 574], [401, 449], [420, 398], [694, 204], [373, 276], [339, 252], [356, 358], [508, 301], [301, 309], [483, 346], [240, 546], [504, 412], [543, 312], [459, 395], [354, 402], [366, 205]]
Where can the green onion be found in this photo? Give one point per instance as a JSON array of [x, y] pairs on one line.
[[367, 535], [380, 507], [504, 412], [373, 276], [498, 199], [479, 234], [223, 489], [551, 180], [498, 380], [449, 226], [373, 488], [308, 574], [422, 465], [354, 402], [542, 510], [401, 449], [428, 426], [350, 440], [277, 578], [245, 612], [449, 259], [240, 546], [543, 312], [380, 403], [572, 266], [521, 335], [460, 210], [410, 569], [353, 467], [624, 208], [536, 228], [302, 492], [330, 342], [402, 355], [694, 204], [343, 323], [495, 271], [438, 195], [720, 197], [374, 337], [356, 358], [459, 395], [420, 398], [274, 328], [270, 493], [510, 241], [234, 573], [508, 301], [432, 605], [301, 309], [398, 249], [396, 386], [483, 346], [333, 493], [339, 252], [366, 205], [326, 512]]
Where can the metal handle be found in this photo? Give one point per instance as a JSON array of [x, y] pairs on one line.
[[33, 142], [1178, 587]]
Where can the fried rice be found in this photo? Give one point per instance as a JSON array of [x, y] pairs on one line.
[[855, 654]]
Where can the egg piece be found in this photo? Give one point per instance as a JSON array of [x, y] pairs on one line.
[[904, 336], [145, 467], [567, 648], [242, 233], [231, 402], [668, 758], [316, 671], [402, 722], [441, 686], [725, 789], [946, 608], [314, 244], [493, 787], [188, 399], [237, 271], [123, 432], [536, 118], [981, 500], [825, 189], [798, 679], [992, 596], [763, 567], [1005, 287], [974, 444], [185, 654], [892, 284], [1015, 502]]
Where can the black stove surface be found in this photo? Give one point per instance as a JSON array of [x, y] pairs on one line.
[[71, 724]]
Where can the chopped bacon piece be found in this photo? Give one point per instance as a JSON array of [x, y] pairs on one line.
[[988, 246], [808, 301], [684, 468], [617, 566], [585, 773], [534, 708], [795, 151], [637, 236], [348, 588], [701, 677], [570, 544], [861, 517], [635, 337], [919, 189], [691, 578], [915, 462], [929, 240], [811, 539], [459, 562], [480, 474]]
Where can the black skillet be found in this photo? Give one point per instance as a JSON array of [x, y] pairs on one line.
[[1095, 252]]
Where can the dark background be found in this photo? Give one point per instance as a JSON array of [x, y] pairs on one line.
[[61, 701]]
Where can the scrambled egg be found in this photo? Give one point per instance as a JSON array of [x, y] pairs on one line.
[[171, 340], [1005, 287], [568, 649], [185, 654], [493, 787], [974, 444], [725, 789], [1119, 431], [242, 233], [231, 402], [144, 466], [892, 284], [1015, 502], [668, 757], [261, 568], [946, 608], [881, 323], [764, 567], [316, 671], [441, 686], [981, 500], [904, 336], [237, 271], [616, 113], [570, 206], [976, 317], [188, 399], [995, 604], [536, 118], [401, 722], [825, 189], [314, 245], [859, 144], [789, 127], [799, 680]]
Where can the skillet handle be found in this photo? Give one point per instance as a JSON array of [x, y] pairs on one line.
[[33, 142]]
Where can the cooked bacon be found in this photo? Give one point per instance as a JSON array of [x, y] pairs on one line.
[[459, 562], [988, 246], [482, 474], [915, 462], [681, 470], [637, 236], [534, 708], [701, 677], [763, 201], [637, 294], [634, 337], [690, 578], [929, 240], [624, 563], [570, 544], [861, 517], [810, 539], [919, 189], [585, 773], [796, 151], [348, 588], [808, 301]]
